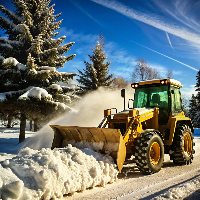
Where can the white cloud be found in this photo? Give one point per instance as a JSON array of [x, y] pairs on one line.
[[79, 37], [163, 70], [194, 48], [151, 19], [168, 57], [183, 11], [177, 72], [122, 63], [119, 55], [188, 91], [169, 40]]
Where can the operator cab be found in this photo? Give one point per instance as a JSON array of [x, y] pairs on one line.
[[162, 93]]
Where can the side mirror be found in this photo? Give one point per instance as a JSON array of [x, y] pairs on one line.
[[123, 93]]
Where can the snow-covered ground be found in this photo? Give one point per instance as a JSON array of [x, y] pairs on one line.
[[49, 174], [45, 174], [36, 173]]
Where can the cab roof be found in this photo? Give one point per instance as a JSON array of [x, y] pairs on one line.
[[154, 81]]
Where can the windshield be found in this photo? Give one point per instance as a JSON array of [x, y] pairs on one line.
[[151, 97]]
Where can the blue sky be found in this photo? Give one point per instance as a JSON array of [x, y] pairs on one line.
[[165, 33]]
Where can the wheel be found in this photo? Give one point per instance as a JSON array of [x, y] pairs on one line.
[[182, 147], [149, 152]]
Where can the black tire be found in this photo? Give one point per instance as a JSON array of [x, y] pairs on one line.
[[149, 152], [183, 144]]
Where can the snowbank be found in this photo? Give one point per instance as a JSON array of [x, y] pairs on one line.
[[47, 174], [55, 87], [37, 93], [11, 61]]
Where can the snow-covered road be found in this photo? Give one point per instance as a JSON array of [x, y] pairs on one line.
[[172, 182]]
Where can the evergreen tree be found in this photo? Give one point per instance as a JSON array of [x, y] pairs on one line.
[[197, 116], [193, 111], [96, 73], [30, 30]]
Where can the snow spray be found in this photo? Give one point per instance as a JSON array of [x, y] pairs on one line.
[[90, 113]]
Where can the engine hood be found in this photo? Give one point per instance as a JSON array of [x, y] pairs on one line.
[[140, 110]]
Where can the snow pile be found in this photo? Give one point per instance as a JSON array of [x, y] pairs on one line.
[[175, 82], [52, 69], [10, 185], [37, 93], [106, 147], [49, 174], [63, 106], [32, 71], [21, 66], [43, 71], [55, 87], [14, 62], [11, 61], [181, 191]]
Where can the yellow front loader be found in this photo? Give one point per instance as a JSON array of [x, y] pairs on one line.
[[155, 125]]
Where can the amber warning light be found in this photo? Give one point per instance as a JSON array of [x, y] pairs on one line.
[[163, 82], [134, 85]]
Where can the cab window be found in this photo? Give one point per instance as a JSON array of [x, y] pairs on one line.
[[176, 99]]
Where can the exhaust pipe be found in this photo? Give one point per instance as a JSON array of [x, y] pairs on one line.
[[123, 96]]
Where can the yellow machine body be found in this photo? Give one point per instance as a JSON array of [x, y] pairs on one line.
[[122, 130]]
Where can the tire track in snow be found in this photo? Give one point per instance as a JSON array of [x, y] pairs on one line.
[[161, 187], [144, 187]]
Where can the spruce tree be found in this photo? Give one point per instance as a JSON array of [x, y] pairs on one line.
[[197, 115], [96, 73], [36, 53], [193, 111]]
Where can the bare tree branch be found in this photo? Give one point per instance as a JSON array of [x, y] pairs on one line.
[[143, 71], [169, 73]]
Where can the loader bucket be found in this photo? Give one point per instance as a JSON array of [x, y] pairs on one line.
[[103, 140]]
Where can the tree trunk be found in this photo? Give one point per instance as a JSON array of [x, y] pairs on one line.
[[22, 127], [35, 125], [31, 124], [9, 121]]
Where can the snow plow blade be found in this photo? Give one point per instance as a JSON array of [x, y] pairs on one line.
[[104, 140]]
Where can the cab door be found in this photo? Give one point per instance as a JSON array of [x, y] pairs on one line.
[[176, 102]]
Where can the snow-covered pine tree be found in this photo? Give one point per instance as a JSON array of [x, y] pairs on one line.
[[193, 110], [96, 73], [11, 46], [197, 114], [30, 30]]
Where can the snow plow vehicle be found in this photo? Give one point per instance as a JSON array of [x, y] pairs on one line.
[[154, 126]]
